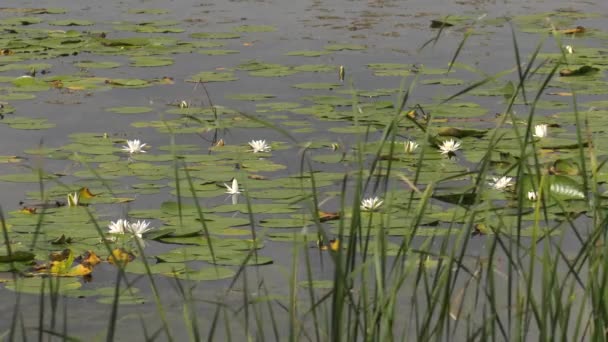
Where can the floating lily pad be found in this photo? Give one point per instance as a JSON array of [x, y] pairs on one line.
[[146, 61], [97, 65], [71, 22], [129, 110], [317, 86], [27, 123], [254, 28], [218, 52], [148, 11], [215, 35], [210, 76], [18, 21], [308, 53], [341, 47], [249, 97]]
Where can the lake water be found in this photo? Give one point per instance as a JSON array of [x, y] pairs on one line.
[[379, 43]]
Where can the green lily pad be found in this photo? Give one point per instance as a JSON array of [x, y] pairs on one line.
[[249, 97], [156, 11], [341, 47], [97, 65], [129, 110], [20, 21], [71, 22], [215, 35], [317, 86], [148, 61], [217, 52], [254, 28], [27, 123], [211, 76], [308, 53]]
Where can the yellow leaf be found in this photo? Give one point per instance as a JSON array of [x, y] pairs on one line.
[[79, 270], [61, 262], [120, 256], [86, 193], [89, 257], [334, 245]]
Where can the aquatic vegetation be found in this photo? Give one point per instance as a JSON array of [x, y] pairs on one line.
[[120, 226], [134, 146], [436, 243], [541, 131], [449, 146], [234, 188], [259, 146], [410, 146], [501, 183], [139, 228], [124, 227], [73, 199], [371, 204]]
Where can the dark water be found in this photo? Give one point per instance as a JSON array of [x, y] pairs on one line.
[[393, 32]]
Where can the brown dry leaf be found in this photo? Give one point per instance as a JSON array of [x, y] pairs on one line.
[[576, 30], [326, 216], [120, 256], [247, 44], [28, 210], [560, 93], [257, 177], [89, 257], [166, 80], [60, 256], [334, 245], [56, 84]]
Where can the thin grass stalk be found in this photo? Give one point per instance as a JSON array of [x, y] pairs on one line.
[[41, 309], [293, 296], [114, 310]]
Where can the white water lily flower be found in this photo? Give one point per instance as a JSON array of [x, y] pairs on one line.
[[119, 227], [540, 131], [532, 195], [569, 49], [259, 146], [73, 199], [139, 228], [371, 204], [234, 188], [410, 146], [449, 146], [501, 183], [134, 146]]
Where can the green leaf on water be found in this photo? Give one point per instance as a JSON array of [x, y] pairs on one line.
[[149, 61], [308, 53], [20, 21], [254, 28], [97, 65], [217, 52], [249, 97], [341, 47], [148, 11], [317, 86], [211, 76], [129, 110], [27, 123], [71, 22], [215, 35]]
